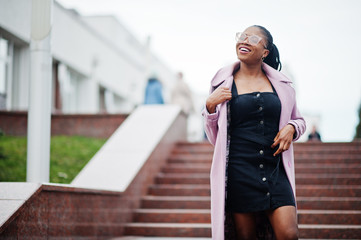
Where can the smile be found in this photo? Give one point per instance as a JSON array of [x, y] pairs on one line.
[[243, 49]]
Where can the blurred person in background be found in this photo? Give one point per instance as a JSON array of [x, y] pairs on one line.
[[182, 95], [252, 119], [153, 91], [314, 136]]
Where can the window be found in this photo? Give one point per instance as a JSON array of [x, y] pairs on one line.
[[3, 64], [3, 71]]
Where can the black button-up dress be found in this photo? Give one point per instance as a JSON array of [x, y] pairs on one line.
[[256, 180]]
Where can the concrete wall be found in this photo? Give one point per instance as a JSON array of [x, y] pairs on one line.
[[94, 125]]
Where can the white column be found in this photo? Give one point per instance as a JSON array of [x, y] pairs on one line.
[[39, 113]]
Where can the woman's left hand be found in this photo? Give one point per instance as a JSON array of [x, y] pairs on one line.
[[284, 138]]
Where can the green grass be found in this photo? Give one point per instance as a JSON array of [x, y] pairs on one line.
[[68, 155]]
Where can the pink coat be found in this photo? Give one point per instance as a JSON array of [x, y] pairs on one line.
[[216, 130]]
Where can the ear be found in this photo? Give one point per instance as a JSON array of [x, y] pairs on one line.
[[265, 54]]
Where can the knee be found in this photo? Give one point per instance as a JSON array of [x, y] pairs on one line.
[[291, 234]]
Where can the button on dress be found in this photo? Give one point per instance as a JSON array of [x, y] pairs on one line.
[[256, 180]]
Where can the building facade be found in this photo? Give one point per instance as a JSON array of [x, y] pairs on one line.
[[98, 64]]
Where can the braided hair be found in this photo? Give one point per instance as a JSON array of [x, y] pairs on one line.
[[273, 58]]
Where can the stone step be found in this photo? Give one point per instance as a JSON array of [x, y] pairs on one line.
[[177, 202], [168, 229], [173, 215], [186, 168], [328, 179], [331, 231], [301, 178], [327, 157], [315, 203], [299, 168], [206, 158], [204, 230], [329, 203], [301, 190], [182, 178], [328, 168], [337, 150], [180, 190], [328, 190], [348, 217]]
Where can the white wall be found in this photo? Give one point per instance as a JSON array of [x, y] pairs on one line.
[[99, 49], [15, 17]]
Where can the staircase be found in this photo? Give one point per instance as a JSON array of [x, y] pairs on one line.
[[328, 179]]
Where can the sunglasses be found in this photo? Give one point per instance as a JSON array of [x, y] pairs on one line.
[[252, 39]]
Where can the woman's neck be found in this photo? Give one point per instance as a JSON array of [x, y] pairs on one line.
[[250, 71]]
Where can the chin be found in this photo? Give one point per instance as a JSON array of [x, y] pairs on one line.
[[242, 58]]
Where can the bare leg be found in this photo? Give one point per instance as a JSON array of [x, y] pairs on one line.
[[245, 224], [284, 222]]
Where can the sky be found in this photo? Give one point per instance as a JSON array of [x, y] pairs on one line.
[[318, 40]]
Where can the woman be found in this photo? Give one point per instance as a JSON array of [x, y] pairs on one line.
[[251, 118]]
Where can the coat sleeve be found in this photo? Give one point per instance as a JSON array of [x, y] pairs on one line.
[[298, 122], [211, 119], [211, 124]]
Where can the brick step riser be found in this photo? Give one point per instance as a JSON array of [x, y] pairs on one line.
[[298, 170], [299, 181], [302, 192], [85, 231], [87, 216], [308, 160], [328, 233], [156, 204], [297, 152], [303, 218], [297, 149], [331, 192], [329, 170], [301, 155], [328, 181], [298, 157], [179, 192], [298, 146], [298, 165], [163, 180], [167, 232], [328, 205], [301, 204], [173, 217], [331, 218]]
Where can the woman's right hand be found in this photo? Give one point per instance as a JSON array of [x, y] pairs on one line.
[[219, 95]]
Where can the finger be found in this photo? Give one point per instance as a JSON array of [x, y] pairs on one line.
[[279, 150], [277, 136], [276, 142], [287, 145], [228, 96]]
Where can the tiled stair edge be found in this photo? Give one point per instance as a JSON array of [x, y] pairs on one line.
[[121, 158], [126, 200], [34, 200], [14, 197]]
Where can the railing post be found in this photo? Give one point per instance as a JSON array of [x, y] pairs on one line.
[[39, 111]]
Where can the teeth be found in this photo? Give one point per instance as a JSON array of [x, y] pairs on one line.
[[244, 49]]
